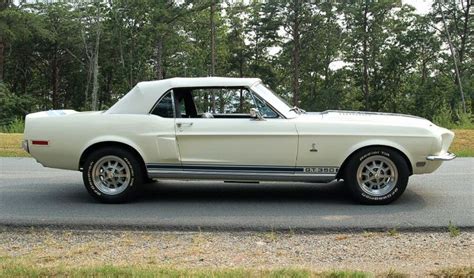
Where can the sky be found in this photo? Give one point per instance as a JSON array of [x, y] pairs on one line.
[[421, 6]]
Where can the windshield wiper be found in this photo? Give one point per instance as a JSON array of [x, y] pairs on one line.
[[297, 110]]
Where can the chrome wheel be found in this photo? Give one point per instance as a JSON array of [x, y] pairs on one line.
[[377, 175], [111, 175]]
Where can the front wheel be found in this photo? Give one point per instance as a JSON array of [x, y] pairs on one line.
[[377, 175], [112, 175]]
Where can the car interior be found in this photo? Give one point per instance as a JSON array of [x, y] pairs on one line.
[[212, 102]]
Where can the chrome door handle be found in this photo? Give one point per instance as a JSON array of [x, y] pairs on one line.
[[183, 124]]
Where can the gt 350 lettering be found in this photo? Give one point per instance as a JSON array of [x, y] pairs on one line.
[[321, 170]]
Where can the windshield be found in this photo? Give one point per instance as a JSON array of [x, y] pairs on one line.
[[274, 100]]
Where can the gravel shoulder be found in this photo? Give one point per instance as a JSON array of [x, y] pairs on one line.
[[416, 254]]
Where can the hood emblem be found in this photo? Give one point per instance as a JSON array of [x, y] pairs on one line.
[[313, 148]]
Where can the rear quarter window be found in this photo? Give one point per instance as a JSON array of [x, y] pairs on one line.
[[164, 108]]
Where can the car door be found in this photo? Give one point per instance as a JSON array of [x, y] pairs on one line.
[[164, 132], [224, 137]]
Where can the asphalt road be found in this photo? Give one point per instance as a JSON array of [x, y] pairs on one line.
[[33, 195]]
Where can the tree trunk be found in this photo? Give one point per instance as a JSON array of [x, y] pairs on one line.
[[465, 33], [88, 83], [453, 54], [365, 58], [55, 80], [222, 102], [95, 81], [296, 52], [424, 71], [213, 38], [256, 63], [213, 51], [159, 57], [95, 72], [2, 58], [3, 5]]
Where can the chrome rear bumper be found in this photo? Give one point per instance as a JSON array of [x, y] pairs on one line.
[[442, 157]]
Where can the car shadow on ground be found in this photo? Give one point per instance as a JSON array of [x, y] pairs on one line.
[[189, 195], [334, 193], [212, 191]]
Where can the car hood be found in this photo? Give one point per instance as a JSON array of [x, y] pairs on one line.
[[369, 117]]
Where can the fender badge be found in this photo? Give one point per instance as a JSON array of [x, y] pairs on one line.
[[313, 148]]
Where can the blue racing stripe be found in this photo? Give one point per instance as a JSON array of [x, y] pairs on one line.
[[247, 168]]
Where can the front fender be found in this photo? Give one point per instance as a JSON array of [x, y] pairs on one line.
[[380, 142]]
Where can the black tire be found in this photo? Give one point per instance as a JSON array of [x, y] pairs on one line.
[[376, 187], [97, 183]]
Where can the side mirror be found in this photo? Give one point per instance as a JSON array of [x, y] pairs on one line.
[[254, 113]]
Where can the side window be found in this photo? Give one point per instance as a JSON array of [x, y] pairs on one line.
[[222, 100], [263, 107], [164, 108]]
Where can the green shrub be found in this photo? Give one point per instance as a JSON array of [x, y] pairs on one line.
[[464, 120], [444, 117], [16, 126], [12, 109]]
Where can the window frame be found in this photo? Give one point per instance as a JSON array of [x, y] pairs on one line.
[[171, 92], [256, 96]]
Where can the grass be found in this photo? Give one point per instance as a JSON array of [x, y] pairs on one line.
[[270, 236], [10, 267], [463, 145], [459, 272], [395, 274], [453, 230], [393, 232], [10, 145]]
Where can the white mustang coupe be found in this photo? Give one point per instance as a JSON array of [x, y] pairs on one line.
[[233, 129]]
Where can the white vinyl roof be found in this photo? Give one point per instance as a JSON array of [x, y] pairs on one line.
[[144, 95]]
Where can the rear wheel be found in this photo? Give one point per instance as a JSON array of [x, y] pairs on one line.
[[376, 175], [112, 175]]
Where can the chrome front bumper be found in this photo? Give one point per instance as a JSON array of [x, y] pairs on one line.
[[442, 157]]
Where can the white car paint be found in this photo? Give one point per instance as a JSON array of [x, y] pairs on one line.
[[315, 143]]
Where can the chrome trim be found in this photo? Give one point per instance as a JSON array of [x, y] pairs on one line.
[[221, 175], [25, 146], [159, 100], [377, 175], [243, 168], [111, 175], [351, 112], [256, 115], [441, 157], [280, 114]]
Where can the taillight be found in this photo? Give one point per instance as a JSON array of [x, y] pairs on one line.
[[39, 142]]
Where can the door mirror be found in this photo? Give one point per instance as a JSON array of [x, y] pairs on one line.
[[255, 114]]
